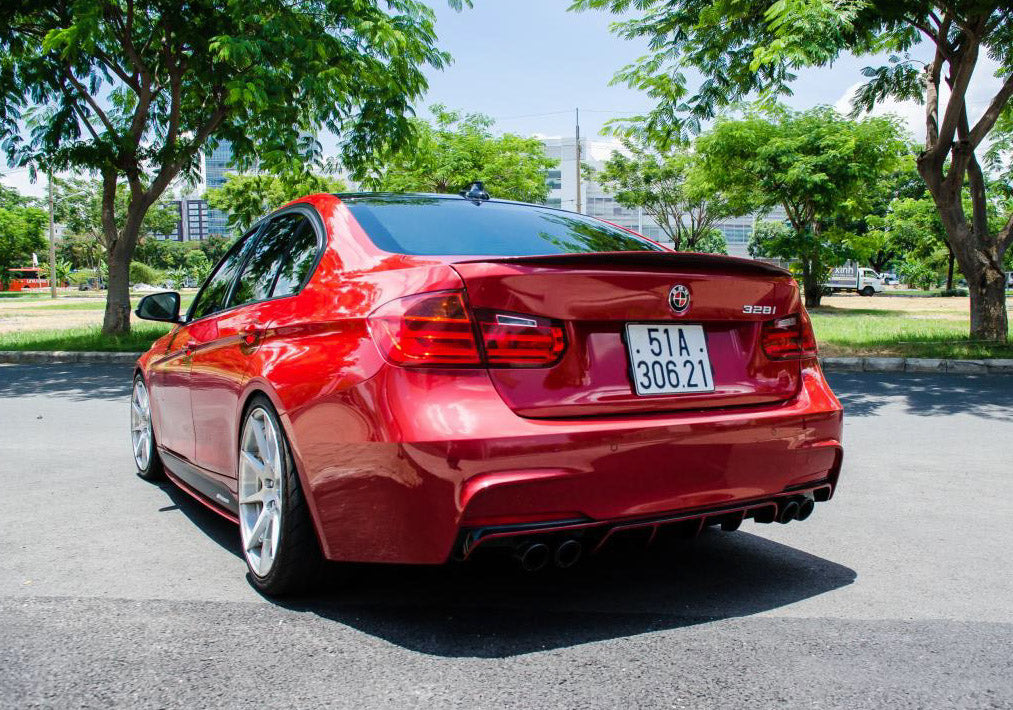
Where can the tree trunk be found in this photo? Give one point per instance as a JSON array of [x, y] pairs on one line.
[[988, 304], [117, 317], [812, 289], [976, 251]]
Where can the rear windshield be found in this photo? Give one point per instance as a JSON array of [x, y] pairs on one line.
[[441, 226]]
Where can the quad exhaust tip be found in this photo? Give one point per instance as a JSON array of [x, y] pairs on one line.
[[568, 554], [788, 512], [805, 509], [533, 556]]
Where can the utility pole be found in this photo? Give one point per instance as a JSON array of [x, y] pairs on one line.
[[52, 241], [577, 143]]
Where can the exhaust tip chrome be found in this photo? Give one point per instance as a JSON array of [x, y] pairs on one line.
[[533, 556], [568, 553], [805, 509], [788, 512]]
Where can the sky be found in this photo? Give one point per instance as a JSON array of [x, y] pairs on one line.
[[529, 64]]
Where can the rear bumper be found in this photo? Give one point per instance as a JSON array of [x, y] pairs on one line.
[[450, 459], [597, 533]]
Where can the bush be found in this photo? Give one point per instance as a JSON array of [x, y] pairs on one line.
[[141, 273], [81, 276], [953, 292]]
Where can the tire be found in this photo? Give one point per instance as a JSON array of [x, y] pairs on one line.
[[142, 434], [276, 533], [867, 291]]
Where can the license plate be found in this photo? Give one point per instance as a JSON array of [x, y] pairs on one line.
[[669, 359]]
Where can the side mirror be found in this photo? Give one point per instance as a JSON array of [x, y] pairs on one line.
[[159, 306]]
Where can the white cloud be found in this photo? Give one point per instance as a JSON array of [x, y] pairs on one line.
[[984, 85]]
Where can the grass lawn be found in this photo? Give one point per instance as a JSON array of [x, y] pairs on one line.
[[843, 332], [845, 326], [140, 338]]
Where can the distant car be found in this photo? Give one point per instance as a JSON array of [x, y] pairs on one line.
[[890, 279], [419, 378]]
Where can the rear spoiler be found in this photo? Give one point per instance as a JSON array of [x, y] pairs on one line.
[[678, 260]]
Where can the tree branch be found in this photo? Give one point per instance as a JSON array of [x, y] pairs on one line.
[[91, 101], [1005, 236], [992, 113], [959, 80]]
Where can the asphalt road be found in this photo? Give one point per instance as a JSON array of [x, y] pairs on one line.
[[898, 593]]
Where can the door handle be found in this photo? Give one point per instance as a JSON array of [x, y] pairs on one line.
[[251, 333]]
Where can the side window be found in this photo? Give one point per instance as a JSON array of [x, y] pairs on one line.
[[266, 256], [301, 255], [216, 289]]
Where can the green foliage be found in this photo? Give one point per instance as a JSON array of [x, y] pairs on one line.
[[63, 269], [670, 187], [711, 242], [77, 204], [247, 198], [135, 90], [822, 168], [198, 267], [458, 149], [21, 232], [144, 274], [178, 277], [710, 55], [81, 251], [918, 273]]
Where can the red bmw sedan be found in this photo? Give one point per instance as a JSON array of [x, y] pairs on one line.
[[419, 378]]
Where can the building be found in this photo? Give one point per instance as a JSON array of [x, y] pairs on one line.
[[193, 220], [597, 202], [217, 164]]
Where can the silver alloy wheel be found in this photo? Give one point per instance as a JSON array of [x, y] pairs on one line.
[[140, 425], [261, 485]]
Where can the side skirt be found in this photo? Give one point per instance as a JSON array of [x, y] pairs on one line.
[[208, 491]]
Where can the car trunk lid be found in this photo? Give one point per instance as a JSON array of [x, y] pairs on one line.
[[596, 295]]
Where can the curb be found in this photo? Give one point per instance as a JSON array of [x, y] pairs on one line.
[[916, 364], [830, 364], [43, 357]]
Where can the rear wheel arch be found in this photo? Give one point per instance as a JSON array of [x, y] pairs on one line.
[[254, 392]]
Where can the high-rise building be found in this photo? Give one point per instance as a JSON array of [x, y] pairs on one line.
[[217, 163], [192, 224], [597, 202]]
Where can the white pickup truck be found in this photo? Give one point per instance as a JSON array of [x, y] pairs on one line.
[[852, 277]]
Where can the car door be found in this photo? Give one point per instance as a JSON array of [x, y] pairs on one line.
[[227, 344], [169, 385]]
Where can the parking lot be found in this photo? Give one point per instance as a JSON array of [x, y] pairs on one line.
[[116, 592]]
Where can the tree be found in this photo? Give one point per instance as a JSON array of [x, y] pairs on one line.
[[458, 149], [755, 47], [916, 233], [134, 89], [819, 166], [669, 187], [21, 232], [78, 204], [247, 198]]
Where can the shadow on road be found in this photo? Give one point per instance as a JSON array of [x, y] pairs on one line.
[[74, 381], [490, 609], [865, 394]]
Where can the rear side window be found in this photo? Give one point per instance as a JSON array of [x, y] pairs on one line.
[[300, 257], [442, 226], [271, 250], [216, 289]]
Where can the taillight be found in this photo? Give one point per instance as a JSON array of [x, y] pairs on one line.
[[520, 341], [428, 329], [789, 338], [436, 329]]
